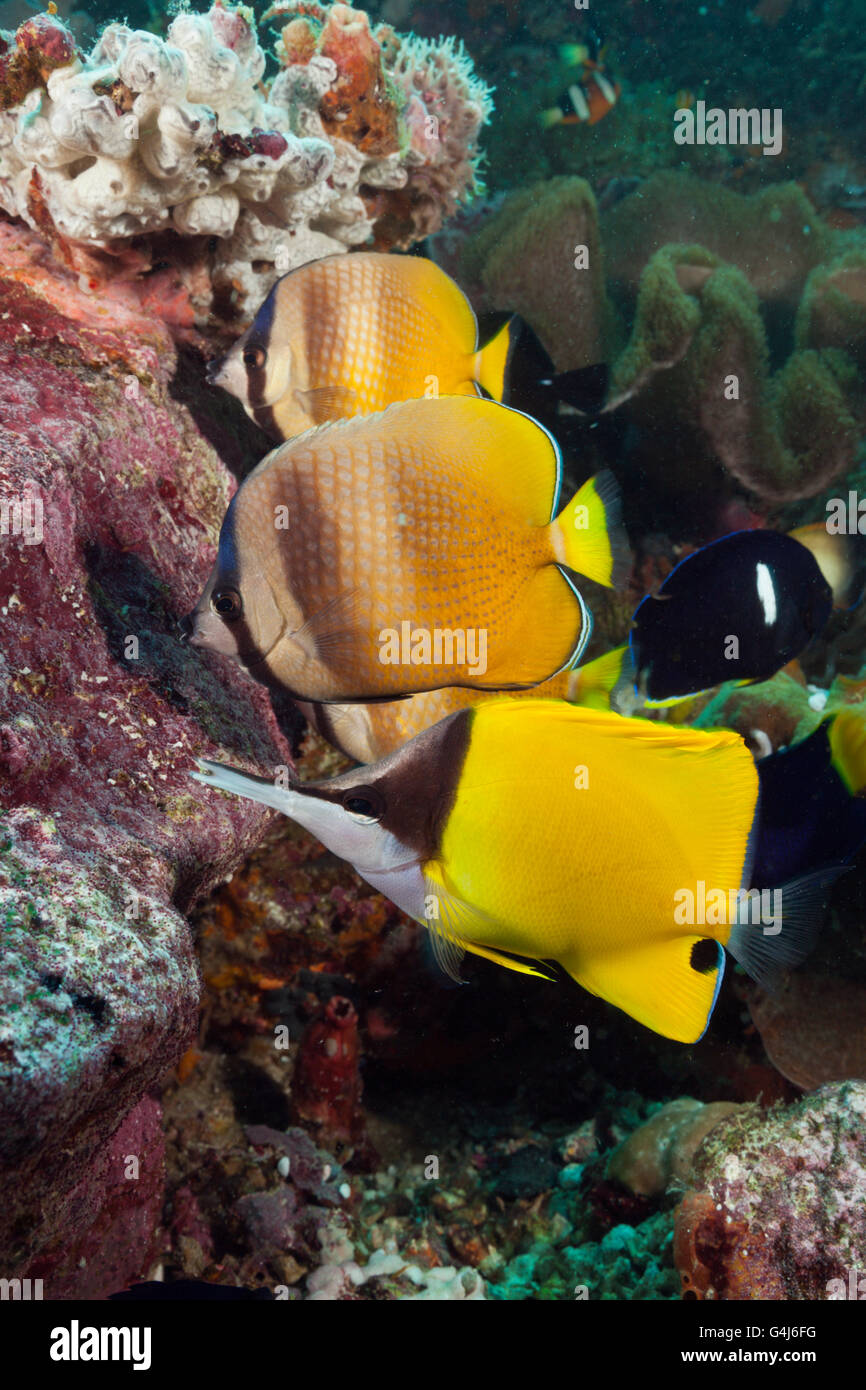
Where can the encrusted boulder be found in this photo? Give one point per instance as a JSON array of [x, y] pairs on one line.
[[111, 499], [777, 1209]]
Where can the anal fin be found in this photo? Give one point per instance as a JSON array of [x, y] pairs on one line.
[[664, 984]]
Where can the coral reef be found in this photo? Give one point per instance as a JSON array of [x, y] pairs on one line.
[[396, 1277], [223, 1057], [777, 1208], [113, 1214], [779, 712], [112, 501], [116, 155], [681, 289], [524, 257]]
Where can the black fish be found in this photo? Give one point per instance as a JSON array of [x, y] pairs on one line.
[[739, 609], [154, 1290], [807, 820]]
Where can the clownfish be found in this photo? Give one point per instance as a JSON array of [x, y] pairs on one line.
[[419, 547], [586, 100], [528, 831]]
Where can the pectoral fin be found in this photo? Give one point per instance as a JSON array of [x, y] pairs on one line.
[[323, 403], [455, 928], [332, 629]]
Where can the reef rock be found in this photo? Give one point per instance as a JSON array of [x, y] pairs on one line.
[[778, 1209], [111, 498], [144, 144], [813, 1029], [660, 1153]]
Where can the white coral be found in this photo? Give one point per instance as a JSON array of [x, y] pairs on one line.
[[146, 134], [331, 1282]]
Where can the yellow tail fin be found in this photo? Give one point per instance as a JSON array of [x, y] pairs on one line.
[[591, 537], [848, 747], [593, 685], [492, 360]]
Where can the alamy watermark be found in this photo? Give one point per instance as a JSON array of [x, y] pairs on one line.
[[718, 907], [438, 646], [846, 516], [736, 126], [22, 515]]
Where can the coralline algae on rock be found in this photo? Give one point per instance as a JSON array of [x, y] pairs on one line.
[[361, 134], [110, 504], [778, 1209]]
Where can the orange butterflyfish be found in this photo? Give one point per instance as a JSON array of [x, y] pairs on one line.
[[350, 334], [403, 551]]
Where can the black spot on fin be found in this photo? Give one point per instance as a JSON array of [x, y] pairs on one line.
[[705, 956]]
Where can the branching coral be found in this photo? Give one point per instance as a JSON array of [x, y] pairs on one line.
[[362, 134]]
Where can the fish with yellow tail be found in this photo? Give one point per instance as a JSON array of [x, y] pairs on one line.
[[527, 831], [841, 557], [370, 732], [349, 335], [740, 608], [420, 547]]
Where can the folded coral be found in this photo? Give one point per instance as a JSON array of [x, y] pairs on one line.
[[734, 328], [361, 134]]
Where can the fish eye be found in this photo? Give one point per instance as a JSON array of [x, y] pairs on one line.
[[254, 356], [228, 603], [365, 804]]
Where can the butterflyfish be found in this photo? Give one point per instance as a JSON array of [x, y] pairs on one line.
[[530, 831], [420, 547], [351, 334], [739, 609]]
